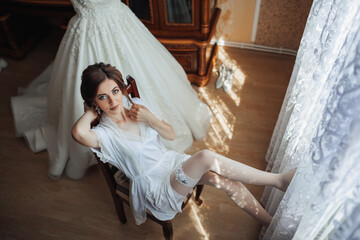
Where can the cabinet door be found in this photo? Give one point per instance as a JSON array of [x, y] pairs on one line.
[[146, 11], [179, 15]]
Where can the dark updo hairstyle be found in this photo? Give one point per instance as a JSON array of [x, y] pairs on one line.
[[94, 75]]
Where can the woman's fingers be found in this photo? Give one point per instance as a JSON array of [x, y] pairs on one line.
[[133, 116], [137, 112], [133, 113]]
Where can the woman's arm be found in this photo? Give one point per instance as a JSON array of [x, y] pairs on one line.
[[141, 114], [81, 131]]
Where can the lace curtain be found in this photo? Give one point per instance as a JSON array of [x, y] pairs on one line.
[[318, 131]]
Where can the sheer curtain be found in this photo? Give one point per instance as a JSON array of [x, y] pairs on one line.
[[318, 131]]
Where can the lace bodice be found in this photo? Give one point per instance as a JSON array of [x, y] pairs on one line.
[[105, 19], [95, 8]]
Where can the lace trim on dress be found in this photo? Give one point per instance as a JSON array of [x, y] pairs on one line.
[[121, 141], [127, 135], [101, 152]]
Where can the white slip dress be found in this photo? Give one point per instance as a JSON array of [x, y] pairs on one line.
[[105, 31], [146, 162]]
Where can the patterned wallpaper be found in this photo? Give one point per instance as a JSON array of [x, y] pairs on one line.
[[281, 23]]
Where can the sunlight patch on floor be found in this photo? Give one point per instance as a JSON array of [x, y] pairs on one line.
[[196, 218], [223, 125], [220, 127]]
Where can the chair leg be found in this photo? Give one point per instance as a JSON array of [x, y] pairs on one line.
[[120, 210], [199, 189], [167, 230]]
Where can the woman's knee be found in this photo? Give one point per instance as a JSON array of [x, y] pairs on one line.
[[205, 157], [212, 179]]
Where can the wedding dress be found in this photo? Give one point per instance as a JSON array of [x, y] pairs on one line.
[[104, 31]]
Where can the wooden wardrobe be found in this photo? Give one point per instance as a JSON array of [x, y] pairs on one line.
[[185, 28]]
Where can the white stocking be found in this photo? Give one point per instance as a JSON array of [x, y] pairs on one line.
[[206, 160], [228, 177], [239, 194]]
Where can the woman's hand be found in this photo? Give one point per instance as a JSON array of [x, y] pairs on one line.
[[140, 113]]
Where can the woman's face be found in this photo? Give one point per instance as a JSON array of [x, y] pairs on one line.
[[109, 97]]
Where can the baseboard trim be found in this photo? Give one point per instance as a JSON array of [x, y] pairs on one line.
[[256, 47]]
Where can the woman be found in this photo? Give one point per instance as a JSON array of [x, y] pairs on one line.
[[105, 30], [128, 137]]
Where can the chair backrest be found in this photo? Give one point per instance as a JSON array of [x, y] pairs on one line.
[[132, 88]]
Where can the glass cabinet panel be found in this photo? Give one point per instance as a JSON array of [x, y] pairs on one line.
[[141, 8], [179, 11]]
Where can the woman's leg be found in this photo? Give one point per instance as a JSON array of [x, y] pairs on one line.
[[234, 189], [213, 169], [205, 160], [239, 194]]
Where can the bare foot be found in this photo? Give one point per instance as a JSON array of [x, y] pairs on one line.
[[286, 179]]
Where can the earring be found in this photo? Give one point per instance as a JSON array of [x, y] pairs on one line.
[[98, 110]]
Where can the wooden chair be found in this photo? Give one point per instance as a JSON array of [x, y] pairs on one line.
[[119, 184]]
